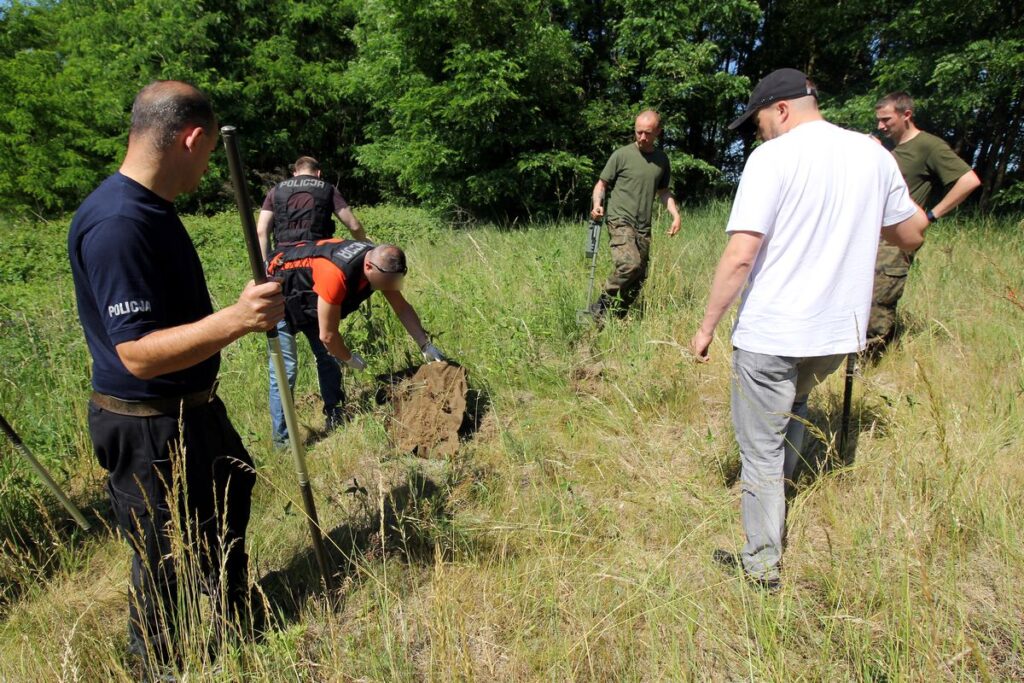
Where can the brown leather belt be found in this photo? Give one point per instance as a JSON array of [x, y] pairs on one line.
[[151, 407]]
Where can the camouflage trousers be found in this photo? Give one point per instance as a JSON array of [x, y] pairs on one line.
[[631, 250], [891, 268]]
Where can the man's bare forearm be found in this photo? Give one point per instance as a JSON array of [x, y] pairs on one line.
[[670, 204], [730, 276], [263, 230], [350, 221], [259, 307], [408, 317], [328, 316], [177, 348], [335, 344], [909, 234], [597, 196], [961, 190]]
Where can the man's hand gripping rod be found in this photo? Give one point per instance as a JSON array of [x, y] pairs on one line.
[[593, 244], [259, 274]]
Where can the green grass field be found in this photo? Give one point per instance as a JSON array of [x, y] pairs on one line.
[[571, 536]]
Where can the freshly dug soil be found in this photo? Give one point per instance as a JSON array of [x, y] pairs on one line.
[[430, 408]]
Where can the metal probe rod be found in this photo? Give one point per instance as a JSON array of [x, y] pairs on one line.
[[43, 474], [259, 274]]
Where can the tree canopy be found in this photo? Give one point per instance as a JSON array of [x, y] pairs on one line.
[[505, 108]]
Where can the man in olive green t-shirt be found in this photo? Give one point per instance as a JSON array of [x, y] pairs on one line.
[[635, 174], [929, 166]]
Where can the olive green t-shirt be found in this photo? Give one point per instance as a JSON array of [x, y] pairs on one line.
[[929, 166], [633, 177]]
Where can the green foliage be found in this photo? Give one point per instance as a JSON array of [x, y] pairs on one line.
[[676, 58], [73, 68], [50, 154], [1011, 197], [502, 108], [401, 225], [473, 103], [966, 69]]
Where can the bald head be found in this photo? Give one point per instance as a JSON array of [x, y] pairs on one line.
[[164, 108], [385, 268], [647, 129], [804, 105], [649, 117], [782, 116], [390, 258]]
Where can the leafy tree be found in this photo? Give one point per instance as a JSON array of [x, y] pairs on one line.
[[965, 66], [50, 154], [501, 107], [273, 68], [679, 58], [473, 104]]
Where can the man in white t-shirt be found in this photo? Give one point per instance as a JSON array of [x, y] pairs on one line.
[[803, 234]]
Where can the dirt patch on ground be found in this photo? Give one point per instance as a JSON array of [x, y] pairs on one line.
[[430, 408]]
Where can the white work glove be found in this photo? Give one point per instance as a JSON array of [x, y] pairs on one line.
[[432, 353], [356, 361]]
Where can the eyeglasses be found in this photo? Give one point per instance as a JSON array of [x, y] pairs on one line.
[[402, 272]]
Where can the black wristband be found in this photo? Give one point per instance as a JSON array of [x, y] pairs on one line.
[[931, 216]]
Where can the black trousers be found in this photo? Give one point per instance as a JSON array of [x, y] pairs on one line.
[[202, 469]]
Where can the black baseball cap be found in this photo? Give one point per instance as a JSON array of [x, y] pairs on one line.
[[781, 84]]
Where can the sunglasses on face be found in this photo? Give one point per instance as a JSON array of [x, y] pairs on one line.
[[402, 272]]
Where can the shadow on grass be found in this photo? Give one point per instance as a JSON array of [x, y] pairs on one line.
[[41, 544], [402, 524], [822, 456], [821, 442]]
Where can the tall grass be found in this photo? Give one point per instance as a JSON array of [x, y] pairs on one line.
[[570, 538]]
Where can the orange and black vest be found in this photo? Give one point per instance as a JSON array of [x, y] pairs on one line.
[[313, 220], [292, 264]]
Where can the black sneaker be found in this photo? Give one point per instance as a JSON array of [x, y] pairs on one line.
[[732, 561]]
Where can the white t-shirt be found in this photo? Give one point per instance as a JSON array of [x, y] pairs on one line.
[[819, 194]]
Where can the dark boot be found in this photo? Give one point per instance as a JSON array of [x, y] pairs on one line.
[[600, 307], [333, 418]]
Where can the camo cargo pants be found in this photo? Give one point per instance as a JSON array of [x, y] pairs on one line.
[[631, 250], [891, 268]]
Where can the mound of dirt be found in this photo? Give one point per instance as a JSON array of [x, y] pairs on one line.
[[430, 408]]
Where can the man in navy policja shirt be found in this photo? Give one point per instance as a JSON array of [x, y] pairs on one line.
[[155, 342]]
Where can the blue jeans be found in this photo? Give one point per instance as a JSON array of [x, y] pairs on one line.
[[327, 369]]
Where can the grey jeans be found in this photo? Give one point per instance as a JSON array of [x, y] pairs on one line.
[[768, 392]]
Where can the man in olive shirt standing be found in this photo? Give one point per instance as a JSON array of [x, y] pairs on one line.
[[929, 166], [634, 173]]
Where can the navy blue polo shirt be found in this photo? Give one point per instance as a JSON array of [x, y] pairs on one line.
[[135, 271]]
